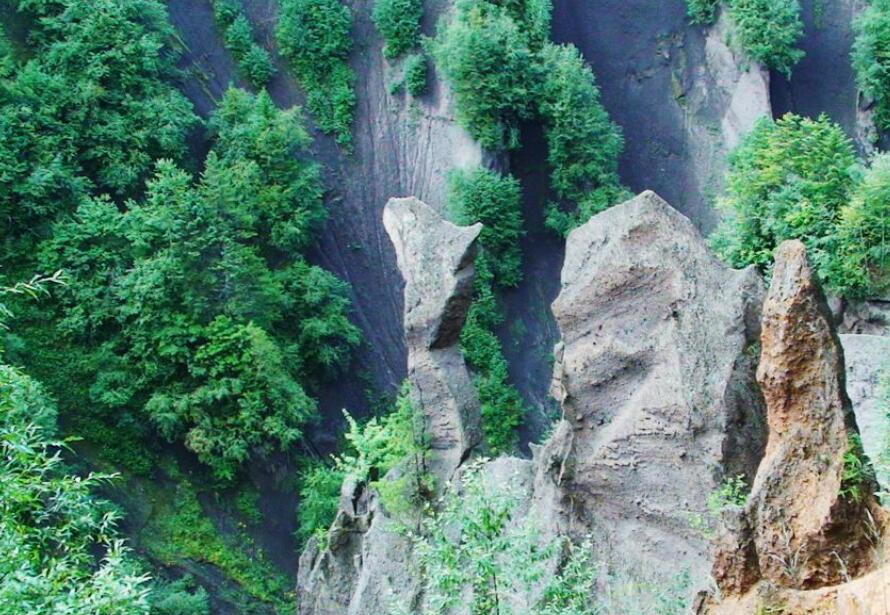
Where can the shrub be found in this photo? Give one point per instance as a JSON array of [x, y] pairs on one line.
[[372, 450], [495, 200], [486, 196], [253, 61], [769, 30], [399, 23], [583, 143], [485, 57], [871, 57], [789, 179], [314, 36], [416, 68], [861, 263], [702, 12]]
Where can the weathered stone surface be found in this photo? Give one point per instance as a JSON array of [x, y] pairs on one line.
[[806, 533], [656, 378], [436, 260], [366, 567], [870, 317], [868, 361]]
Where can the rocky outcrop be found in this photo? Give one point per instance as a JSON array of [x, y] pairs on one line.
[[868, 364], [807, 525], [365, 568], [655, 374]]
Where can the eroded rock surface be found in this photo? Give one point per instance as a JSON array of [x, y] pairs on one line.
[[655, 374], [805, 531], [868, 363], [367, 566]]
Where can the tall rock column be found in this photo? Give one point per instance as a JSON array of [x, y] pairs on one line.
[[367, 565], [810, 525]]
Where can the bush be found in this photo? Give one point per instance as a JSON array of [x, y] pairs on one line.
[[485, 57], [702, 12], [583, 143], [372, 450], [486, 196], [789, 179], [399, 23], [769, 30], [416, 68], [314, 36], [861, 263], [871, 57], [253, 61], [495, 200]]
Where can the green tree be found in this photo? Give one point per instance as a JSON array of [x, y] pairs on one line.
[[789, 179], [254, 62], [399, 23], [494, 200], [314, 36], [485, 56], [702, 12], [769, 30], [416, 69], [871, 57]]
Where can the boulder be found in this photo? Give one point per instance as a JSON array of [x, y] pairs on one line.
[[655, 375]]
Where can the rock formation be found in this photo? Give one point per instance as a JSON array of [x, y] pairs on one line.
[[656, 378], [807, 525], [366, 566], [868, 363]]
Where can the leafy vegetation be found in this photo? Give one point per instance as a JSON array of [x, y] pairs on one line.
[[789, 179], [416, 69], [487, 58], [399, 23], [702, 12], [871, 57], [253, 61], [858, 473], [91, 111], [583, 144], [475, 550], [769, 30], [314, 36], [494, 200], [732, 492], [372, 449]]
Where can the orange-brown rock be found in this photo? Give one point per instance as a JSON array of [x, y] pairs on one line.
[[808, 527]]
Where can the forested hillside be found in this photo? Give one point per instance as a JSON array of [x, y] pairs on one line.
[[206, 342]]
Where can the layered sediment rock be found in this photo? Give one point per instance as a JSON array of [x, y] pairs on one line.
[[366, 566], [656, 378], [806, 524]]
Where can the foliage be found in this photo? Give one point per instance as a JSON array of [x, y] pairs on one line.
[[769, 30], [583, 143], [487, 58], [196, 299], [858, 472], [861, 265], [702, 12], [416, 74], [495, 200], [314, 36], [180, 532], [871, 57], [254, 62], [399, 23], [93, 109], [372, 449], [180, 597], [62, 552], [732, 492], [789, 179]]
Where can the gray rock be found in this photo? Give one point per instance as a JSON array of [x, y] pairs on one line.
[[655, 374], [868, 360], [366, 566]]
